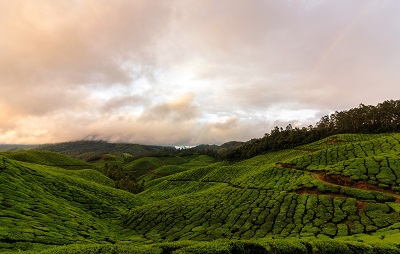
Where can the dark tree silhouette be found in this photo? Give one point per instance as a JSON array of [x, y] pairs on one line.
[[383, 118]]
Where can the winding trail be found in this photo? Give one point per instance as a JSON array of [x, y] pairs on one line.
[[320, 175]]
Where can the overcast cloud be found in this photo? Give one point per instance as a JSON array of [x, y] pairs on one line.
[[186, 72]]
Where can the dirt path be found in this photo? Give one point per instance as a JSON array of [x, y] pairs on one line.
[[320, 177], [362, 185], [342, 181]]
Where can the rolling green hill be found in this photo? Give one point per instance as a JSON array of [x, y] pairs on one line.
[[337, 195], [149, 168], [44, 205], [93, 150], [14, 147], [46, 158]]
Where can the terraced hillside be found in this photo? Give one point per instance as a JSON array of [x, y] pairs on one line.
[[92, 150], [47, 158], [261, 199], [46, 205], [282, 194], [338, 195]]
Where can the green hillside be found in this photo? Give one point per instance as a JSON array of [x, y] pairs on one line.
[[336, 195], [44, 205], [149, 168], [13, 147], [46, 158], [93, 150], [169, 170], [382, 118]]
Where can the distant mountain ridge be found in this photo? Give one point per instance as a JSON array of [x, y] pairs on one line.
[[13, 147], [91, 150], [85, 149]]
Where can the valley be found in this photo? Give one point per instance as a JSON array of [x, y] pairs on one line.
[[339, 191]]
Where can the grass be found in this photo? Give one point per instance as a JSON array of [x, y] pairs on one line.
[[169, 170], [272, 203], [291, 246], [151, 168], [53, 206], [46, 158]]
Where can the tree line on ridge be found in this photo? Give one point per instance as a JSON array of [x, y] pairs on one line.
[[368, 119]]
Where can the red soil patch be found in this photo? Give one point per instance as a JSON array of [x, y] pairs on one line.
[[358, 184], [348, 182], [332, 141], [361, 205], [287, 165], [338, 180], [307, 191], [304, 191]]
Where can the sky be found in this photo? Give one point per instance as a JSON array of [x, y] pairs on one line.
[[188, 72]]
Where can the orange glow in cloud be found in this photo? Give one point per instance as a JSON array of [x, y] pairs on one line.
[[188, 72]]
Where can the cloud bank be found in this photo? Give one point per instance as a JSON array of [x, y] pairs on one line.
[[189, 72]]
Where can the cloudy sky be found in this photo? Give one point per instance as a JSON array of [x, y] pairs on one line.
[[186, 72]]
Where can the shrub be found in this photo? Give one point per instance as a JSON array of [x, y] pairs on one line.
[[329, 229], [287, 246], [168, 247], [332, 247], [383, 208], [386, 176], [104, 249], [366, 195], [386, 249], [223, 247], [361, 248], [342, 230], [383, 197]]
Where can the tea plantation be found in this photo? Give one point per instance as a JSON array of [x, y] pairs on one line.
[[336, 195]]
